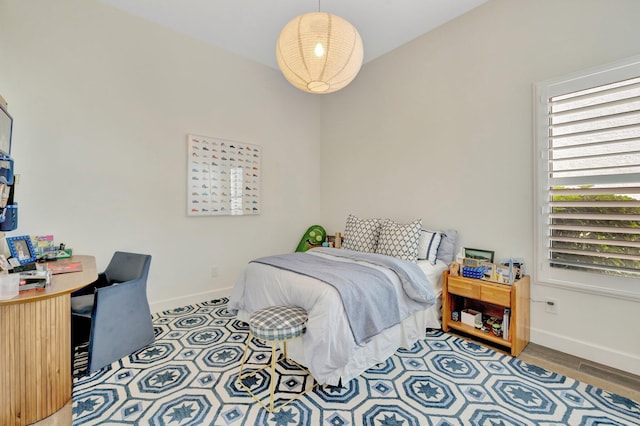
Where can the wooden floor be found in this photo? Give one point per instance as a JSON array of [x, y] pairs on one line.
[[607, 378]]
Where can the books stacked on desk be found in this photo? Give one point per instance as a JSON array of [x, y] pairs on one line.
[[46, 249], [34, 281], [63, 267], [25, 267]]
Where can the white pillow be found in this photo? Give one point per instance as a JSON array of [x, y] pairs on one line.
[[428, 245], [361, 234], [400, 241]]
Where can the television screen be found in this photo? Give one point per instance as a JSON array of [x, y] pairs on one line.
[[6, 124]]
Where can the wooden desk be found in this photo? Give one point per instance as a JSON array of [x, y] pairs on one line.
[[35, 348]]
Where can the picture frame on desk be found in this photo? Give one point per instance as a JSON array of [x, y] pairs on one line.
[[21, 249]]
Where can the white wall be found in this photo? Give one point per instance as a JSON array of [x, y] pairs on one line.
[[441, 129], [102, 103]]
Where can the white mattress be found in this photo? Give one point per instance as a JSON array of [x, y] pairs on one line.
[[434, 275], [328, 348]]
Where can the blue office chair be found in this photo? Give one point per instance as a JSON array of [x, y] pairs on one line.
[[113, 312]]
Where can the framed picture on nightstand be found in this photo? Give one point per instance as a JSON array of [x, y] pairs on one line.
[[481, 255]]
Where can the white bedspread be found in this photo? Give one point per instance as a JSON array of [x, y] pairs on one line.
[[328, 348]]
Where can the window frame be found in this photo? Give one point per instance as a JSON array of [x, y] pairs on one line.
[[614, 286]]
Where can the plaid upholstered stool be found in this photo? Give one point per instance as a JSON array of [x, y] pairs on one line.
[[275, 325]]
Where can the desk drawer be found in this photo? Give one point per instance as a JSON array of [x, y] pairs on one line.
[[464, 288], [496, 294]]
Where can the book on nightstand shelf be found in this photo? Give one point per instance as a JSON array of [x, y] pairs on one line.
[[505, 323]]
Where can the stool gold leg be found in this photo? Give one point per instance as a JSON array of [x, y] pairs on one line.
[[245, 355], [273, 376], [272, 385]]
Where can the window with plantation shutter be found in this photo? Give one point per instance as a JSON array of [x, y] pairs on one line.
[[588, 180]]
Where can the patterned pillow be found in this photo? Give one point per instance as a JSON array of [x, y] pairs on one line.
[[400, 241], [428, 245], [361, 234]]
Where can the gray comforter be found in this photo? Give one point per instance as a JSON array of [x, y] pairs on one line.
[[367, 294]]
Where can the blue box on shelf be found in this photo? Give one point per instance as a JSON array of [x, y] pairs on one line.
[[471, 272]]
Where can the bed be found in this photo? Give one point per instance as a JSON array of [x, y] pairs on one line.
[[332, 349]]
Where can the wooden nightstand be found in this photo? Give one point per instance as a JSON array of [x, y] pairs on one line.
[[460, 293]]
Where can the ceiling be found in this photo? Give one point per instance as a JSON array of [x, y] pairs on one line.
[[250, 28]]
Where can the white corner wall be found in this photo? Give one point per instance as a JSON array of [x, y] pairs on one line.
[[441, 129], [102, 103]]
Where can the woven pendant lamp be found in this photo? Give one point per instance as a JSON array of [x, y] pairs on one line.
[[319, 52]]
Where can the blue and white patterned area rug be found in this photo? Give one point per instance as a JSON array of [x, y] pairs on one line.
[[188, 377]]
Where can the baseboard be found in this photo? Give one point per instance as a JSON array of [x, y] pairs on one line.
[[168, 304], [599, 354]]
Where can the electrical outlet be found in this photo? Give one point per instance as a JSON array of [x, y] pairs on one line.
[[214, 271], [551, 305]]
